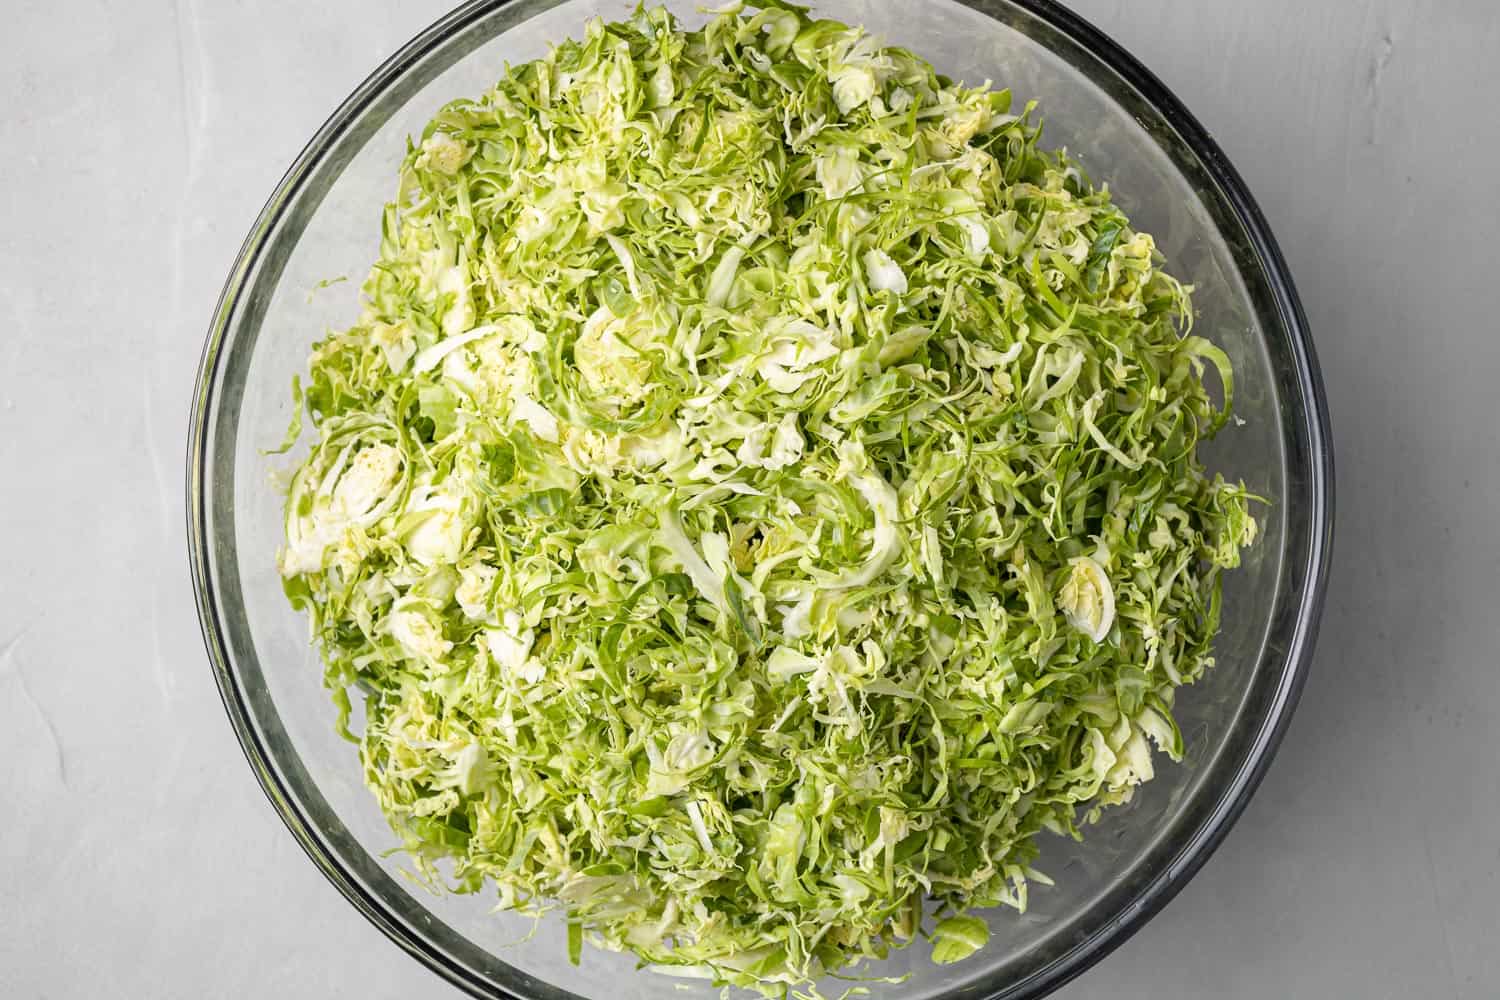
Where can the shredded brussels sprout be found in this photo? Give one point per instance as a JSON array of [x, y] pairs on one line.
[[759, 496]]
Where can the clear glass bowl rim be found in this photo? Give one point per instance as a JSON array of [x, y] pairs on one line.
[[1285, 312]]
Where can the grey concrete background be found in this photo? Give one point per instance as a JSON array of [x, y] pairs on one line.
[[138, 857]]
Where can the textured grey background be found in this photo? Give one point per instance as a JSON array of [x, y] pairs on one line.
[[139, 859]]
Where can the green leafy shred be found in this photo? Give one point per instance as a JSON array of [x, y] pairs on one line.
[[759, 496], [956, 938]]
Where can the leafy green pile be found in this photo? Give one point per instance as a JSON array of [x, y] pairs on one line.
[[759, 496]]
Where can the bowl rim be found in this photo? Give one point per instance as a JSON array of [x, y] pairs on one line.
[[1157, 889]]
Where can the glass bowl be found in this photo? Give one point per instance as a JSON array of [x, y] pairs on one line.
[[322, 221]]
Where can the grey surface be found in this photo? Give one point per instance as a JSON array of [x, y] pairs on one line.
[[137, 855]]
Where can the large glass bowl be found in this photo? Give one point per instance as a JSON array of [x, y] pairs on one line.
[[1128, 130]]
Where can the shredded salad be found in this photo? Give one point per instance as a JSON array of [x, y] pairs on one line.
[[759, 496]]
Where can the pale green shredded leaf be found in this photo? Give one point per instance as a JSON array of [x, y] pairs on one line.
[[956, 938]]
